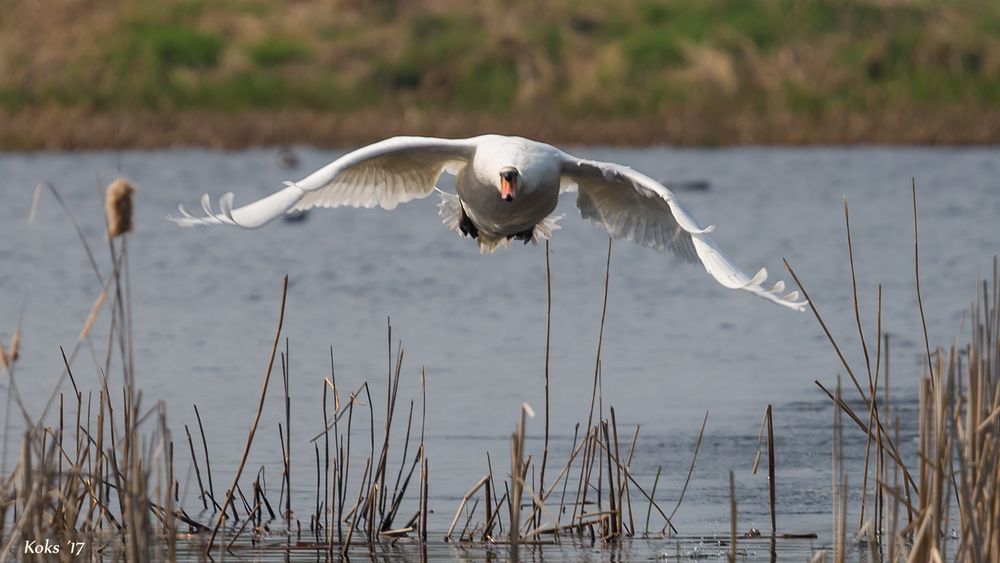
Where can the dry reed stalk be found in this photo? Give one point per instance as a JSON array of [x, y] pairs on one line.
[[950, 437], [15, 345], [618, 485], [562, 496], [517, 484], [600, 338], [392, 388], [120, 200], [839, 486], [582, 480], [694, 458], [346, 457], [916, 274], [354, 512], [314, 518], [69, 216], [424, 480], [873, 413], [138, 530], [483, 481], [889, 446], [770, 474], [337, 495], [628, 475], [958, 441], [208, 458], [548, 347], [628, 489], [285, 376], [253, 428], [652, 495], [169, 525], [468, 520], [327, 499], [552, 527], [197, 470], [732, 517], [894, 517], [826, 330], [487, 527], [545, 494], [239, 531], [399, 489], [612, 512]]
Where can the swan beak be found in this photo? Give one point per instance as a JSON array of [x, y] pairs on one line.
[[508, 189]]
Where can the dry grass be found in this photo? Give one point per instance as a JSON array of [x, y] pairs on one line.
[[951, 487], [714, 72], [98, 480]]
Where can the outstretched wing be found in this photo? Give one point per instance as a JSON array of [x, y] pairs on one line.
[[635, 207], [385, 174]]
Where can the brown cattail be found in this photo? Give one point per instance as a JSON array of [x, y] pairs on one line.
[[118, 207], [15, 344], [4, 358]]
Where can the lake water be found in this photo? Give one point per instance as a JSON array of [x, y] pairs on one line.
[[677, 345]]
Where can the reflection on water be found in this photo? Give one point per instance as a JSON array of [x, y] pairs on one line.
[[676, 344], [570, 550]]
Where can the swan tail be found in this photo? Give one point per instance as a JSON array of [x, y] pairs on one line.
[[488, 244], [450, 210], [543, 230]]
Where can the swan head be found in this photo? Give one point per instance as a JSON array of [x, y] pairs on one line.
[[508, 183]]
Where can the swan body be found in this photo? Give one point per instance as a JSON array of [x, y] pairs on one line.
[[507, 189]]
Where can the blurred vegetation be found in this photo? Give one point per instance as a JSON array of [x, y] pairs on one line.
[[798, 60]]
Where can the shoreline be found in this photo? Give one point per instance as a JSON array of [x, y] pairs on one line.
[[56, 128]]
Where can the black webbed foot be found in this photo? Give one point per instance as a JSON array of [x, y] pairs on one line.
[[526, 236], [467, 227]]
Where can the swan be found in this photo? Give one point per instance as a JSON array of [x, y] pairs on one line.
[[507, 189]]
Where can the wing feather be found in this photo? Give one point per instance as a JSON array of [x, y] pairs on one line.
[[383, 174], [632, 206]]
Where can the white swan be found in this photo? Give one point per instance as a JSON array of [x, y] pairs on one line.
[[507, 188]]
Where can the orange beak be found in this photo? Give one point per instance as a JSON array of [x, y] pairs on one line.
[[508, 189]]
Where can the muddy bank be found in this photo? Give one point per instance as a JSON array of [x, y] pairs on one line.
[[68, 129]]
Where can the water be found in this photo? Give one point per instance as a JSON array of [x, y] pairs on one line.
[[676, 344]]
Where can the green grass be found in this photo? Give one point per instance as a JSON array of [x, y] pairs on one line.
[[488, 86], [651, 49], [170, 46], [276, 51], [597, 56]]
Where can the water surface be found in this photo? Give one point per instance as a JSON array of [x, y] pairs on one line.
[[676, 344]]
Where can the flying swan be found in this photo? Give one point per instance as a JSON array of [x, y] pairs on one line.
[[507, 188]]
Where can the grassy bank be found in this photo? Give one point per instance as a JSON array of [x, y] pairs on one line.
[[711, 72]]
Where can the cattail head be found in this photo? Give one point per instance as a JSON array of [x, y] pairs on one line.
[[4, 358], [118, 207]]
